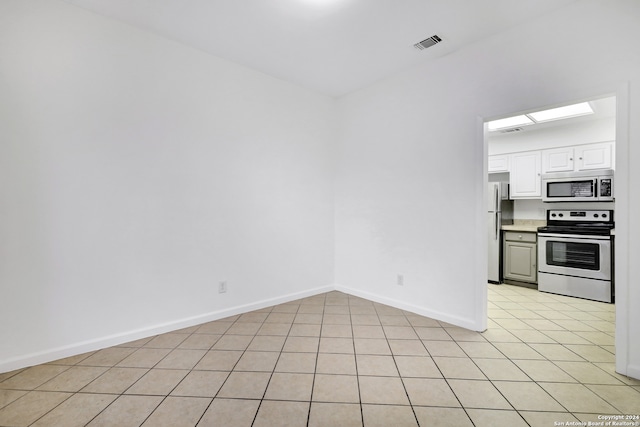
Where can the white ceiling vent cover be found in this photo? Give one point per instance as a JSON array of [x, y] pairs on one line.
[[427, 42]]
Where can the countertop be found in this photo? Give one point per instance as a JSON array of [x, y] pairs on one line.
[[525, 225]]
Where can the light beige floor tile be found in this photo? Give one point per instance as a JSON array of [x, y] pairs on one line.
[[499, 335], [199, 342], [30, 407], [8, 396], [303, 330], [266, 343], [416, 367], [457, 367], [363, 309], [478, 394], [372, 346], [286, 386], [531, 336], [277, 317], [136, 343], [442, 417], [547, 419], [592, 353], [107, 357], [407, 347], [169, 340], [311, 309], [365, 320], [32, 377], [275, 329], [610, 368], [216, 327], [430, 392], [157, 382], [495, 418], [588, 373], [76, 411], [335, 388], [524, 314], [421, 321], [527, 396], [556, 352], [336, 345], [287, 307], [394, 392], [368, 331], [301, 344], [144, 358], [336, 319], [480, 349], [444, 348], [377, 365], [393, 320], [330, 363], [433, 334], [574, 325], [70, 361], [230, 413], [73, 379], [543, 370], [335, 414], [624, 398], [545, 324], [253, 317], [461, 334], [257, 361], [577, 398], [518, 351], [309, 318], [274, 413], [336, 331], [400, 333], [6, 375], [244, 328], [178, 412], [127, 411], [181, 359], [115, 380], [245, 385], [388, 415], [219, 360], [501, 369], [296, 363], [513, 324], [336, 309], [200, 384], [232, 342], [566, 337], [597, 337]]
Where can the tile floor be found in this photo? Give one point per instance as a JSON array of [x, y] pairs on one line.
[[339, 360]]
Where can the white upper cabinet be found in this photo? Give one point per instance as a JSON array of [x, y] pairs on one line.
[[499, 163], [594, 156], [557, 160], [524, 177]]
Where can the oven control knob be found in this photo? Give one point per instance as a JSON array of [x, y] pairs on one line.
[[604, 215], [553, 215], [560, 215], [596, 215]]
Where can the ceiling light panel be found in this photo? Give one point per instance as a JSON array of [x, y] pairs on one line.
[[510, 122], [565, 112]]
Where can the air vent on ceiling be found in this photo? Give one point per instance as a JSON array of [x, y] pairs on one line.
[[511, 130], [427, 42]]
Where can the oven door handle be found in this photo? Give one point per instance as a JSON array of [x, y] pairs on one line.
[[574, 236]]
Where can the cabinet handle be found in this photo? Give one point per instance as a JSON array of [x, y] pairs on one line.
[[570, 159]]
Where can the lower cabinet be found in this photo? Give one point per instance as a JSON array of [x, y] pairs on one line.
[[520, 256]]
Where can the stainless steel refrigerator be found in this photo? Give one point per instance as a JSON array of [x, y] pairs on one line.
[[500, 213]]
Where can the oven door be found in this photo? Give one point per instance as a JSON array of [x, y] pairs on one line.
[[575, 255]]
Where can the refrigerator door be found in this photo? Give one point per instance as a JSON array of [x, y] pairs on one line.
[[493, 220], [493, 193]]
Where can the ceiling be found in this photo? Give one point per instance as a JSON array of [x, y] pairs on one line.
[[329, 46]]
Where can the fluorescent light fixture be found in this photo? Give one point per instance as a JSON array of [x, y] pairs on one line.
[[510, 122], [565, 112]]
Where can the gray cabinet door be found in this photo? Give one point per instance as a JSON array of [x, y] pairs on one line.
[[520, 261]]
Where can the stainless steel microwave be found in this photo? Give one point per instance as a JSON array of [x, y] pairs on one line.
[[582, 186]]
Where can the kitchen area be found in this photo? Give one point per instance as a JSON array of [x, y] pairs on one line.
[[551, 200]]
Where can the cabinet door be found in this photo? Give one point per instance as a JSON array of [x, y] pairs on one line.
[[520, 261], [594, 156], [499, 163], [524, 176], [557, 160]]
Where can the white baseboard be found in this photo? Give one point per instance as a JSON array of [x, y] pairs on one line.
[[437, 315], [50, 355]]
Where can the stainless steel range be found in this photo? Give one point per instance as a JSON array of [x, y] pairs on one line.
[[575, 254]]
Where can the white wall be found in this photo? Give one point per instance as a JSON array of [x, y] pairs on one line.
[[137, 173], [410, 187]]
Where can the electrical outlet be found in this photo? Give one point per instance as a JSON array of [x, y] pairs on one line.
[[400, 280], [222, 287]]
